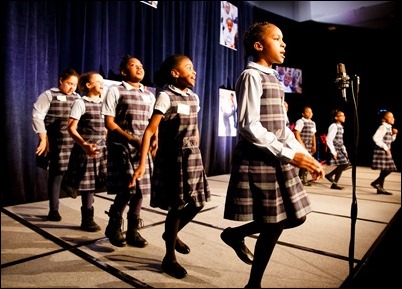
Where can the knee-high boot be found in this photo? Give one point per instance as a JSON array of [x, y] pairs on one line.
[[87, 220], [133, 237], [113, 229]]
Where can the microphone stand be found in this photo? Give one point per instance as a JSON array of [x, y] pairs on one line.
[[353, 213]]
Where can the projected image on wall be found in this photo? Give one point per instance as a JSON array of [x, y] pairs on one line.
[[227, 113], [151, 3], [291, 79], [228, 27]]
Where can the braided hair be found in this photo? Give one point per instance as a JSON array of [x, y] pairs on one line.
[[253, 34]]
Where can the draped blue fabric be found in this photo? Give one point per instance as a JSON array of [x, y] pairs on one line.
[[42, 38]]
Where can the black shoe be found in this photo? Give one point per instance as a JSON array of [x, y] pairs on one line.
[[173, 268], [383, 192], [238, 245], [329, 178], [336, 187], [376, 186], [54, 216], [180, 246], [380, 189]]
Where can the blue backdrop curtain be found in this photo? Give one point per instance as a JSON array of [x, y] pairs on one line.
[[41, 38]]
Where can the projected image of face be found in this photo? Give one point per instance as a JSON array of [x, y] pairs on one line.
[[291, 78]]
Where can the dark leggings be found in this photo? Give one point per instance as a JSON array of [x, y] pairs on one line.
[[381, 178], [337, 172], [134, 201], [176, 219], [87, 199], [54, 184], [269, 234]]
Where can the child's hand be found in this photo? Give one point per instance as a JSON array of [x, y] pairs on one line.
[[90, 149], [306, 161], [138, 174], [43, 148]]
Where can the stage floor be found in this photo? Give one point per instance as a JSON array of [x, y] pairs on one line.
[[38, 253]]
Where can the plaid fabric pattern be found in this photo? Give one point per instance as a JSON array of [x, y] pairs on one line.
[[83, 171], [341, 159], [306, 134], [132, 115], [272, 114], [60, 141], [382, 161], [179, 172]]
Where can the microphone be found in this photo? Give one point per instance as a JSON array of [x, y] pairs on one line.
[[342, 79]]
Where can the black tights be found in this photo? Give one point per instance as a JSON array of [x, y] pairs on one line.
[[337, 172], [87, 199], [175, 221], [135, 200], [381, 178], [266, 242]]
